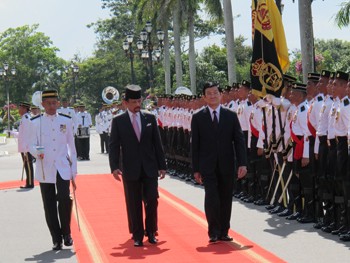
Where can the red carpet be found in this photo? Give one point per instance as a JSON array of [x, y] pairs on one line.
[[182, 236], [14, 184]]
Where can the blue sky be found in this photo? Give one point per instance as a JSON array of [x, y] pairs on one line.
[[64, 21]]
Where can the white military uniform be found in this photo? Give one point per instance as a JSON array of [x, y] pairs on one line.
[[23, 133], [55, 134], [70, 112]]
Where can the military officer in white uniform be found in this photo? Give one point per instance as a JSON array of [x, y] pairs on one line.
[[52, 144], [24, 144], [84, 124]]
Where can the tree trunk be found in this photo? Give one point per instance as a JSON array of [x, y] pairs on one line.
[[230, 46], [306, 37], [166, 60], [177, 43], [192, 53]]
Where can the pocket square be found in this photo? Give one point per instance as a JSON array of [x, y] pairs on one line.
[[149, 124]]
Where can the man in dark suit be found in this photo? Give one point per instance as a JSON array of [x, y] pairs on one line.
[[135, 136], [218, 145]]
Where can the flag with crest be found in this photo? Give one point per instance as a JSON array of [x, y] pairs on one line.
[[270, 58]]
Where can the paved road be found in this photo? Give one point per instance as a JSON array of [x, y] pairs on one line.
[[24, 236]]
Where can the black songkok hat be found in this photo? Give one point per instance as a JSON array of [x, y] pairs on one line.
[[342, 75], [24, 104], [299, 87], [52, 93], [326, 73], [313, 77], [235, 85], [246, 84], [132, 92], [289, 78]]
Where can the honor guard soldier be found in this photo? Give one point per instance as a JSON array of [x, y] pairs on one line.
[[342, 195], [300, 134], [34, 110], [24, 144], [346, 236], [83, 133], [315, 105], [323, 196], [243, 111], [53, 147]]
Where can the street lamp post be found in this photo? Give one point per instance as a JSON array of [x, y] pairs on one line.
[[127, 46], [5, 76], [147, 52], [75, 71]]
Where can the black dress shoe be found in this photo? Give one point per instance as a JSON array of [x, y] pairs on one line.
[[57, 246], [152, 239], [276, 210], [250, 199], [270, 207], [226, 238], [285, 212], [26, 186], [329, 228], [213, 239], [68, 241], [306, 220], [138, 243], [345, 237], [294, 216], [318, 225], [337, 231]]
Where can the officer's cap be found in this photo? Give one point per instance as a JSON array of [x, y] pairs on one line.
[[52, 93], [326, 73], [24, 104], [299, 87], [342, 75], [315, 77], [246, 84], [289, 78]]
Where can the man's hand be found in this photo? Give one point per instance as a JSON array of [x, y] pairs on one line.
[[161, 174], [116, 174], [198, 177], [260, 152], [242, 171], [74, 185], [304, 162]]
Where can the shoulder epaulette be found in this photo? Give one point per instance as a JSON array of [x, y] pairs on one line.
[[35, 117], [346, 102], [64, 115], [319, 98], [302, 108], [249, 103]]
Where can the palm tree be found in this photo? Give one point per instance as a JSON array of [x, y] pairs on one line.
[[342, 18], [230, 47], [306, 37]]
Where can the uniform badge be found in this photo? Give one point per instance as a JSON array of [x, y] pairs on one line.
[[333, 112], [323, 108], [289, 117], [252, 116], [63, 128], [295, 116], [338, 114]]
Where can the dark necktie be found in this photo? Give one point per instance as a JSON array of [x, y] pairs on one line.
[[83, 119], [215, 120]]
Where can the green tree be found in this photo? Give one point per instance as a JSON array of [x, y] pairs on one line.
[[342, 18], [34, 57]]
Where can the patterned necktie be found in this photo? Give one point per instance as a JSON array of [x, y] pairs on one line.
[[136, 126], [215, 120]]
